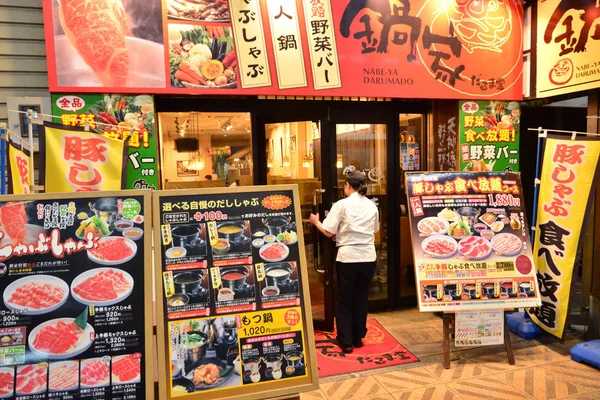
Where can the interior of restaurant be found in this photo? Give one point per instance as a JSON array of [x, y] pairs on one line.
[[219, 143]]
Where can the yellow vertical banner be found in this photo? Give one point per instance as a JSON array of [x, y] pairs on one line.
[[78, 161], [19, 164], [566, 183]]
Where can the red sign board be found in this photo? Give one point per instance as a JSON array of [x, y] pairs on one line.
[[377, 48]]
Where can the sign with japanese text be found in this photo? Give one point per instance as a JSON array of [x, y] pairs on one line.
[[74, 160], [566, 183], [470, 241], [479, 328], [489, 136], [19, 164], [76, 316], [234, 279], [567, 44], [445, 142], [378, 48], [287, 48], [117, 117]]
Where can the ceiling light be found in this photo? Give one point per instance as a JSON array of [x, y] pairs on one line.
[[196, 164]]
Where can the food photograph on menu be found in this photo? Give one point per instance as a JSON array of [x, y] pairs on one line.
[[470, 241], [73, 298], [232, 284]]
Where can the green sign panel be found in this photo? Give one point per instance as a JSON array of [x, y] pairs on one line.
[[489, 136], [117, 116]]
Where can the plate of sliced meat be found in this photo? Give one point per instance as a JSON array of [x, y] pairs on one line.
[[60, 338], [102, 286], [31, 379], [507, 244], [36, 294], [113, 250], [433, 226], [7, 382], [475, 248], [439, 246], [63, 376], [95, 372], [126, 369]]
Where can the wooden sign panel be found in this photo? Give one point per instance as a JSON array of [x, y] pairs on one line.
[[232, 294]]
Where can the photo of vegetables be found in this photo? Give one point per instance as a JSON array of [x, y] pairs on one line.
[[124, 113], [202, 57], [199, 10]]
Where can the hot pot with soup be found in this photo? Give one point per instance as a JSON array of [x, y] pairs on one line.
[[469, 214], [234, 278], [471, 290], [276, 224], [488, 290], [106, 209], [188, 282], [231, 230], [278, 275], [295, 359], [185, 235]]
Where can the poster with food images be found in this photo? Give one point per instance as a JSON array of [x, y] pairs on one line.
[[237, 318], [75, 321], [470, 241], [489, 135]]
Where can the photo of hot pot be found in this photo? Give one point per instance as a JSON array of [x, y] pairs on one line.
[[273, 363], [189, 285], [276, 224], [235, 279], [233, 233], [106, 209], [189, 237], [279, 275], [430, 292], [295, 362], [488, 290], [469, 215], [469, 291], [450, 292]]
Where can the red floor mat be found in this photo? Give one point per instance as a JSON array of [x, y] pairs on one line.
[[380, 350]]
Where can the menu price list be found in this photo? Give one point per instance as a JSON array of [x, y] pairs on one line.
[[232, 282], [471, 241], [73, 273]]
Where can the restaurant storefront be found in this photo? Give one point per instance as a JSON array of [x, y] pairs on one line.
[[267, 142]]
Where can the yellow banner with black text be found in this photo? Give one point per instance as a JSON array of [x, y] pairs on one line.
[[566, 183]]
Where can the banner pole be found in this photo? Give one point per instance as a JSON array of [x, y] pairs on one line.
[[3, 140], [536, 188], [31, 160]]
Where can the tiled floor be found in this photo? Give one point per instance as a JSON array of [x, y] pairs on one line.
[[543, 369]]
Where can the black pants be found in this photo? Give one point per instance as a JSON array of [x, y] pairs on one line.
[[353, 280]]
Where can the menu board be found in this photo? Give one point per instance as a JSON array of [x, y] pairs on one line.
[[479, 328], [233, 292], [470, 241], [75, 321]]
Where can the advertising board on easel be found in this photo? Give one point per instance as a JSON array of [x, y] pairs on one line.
[[232, 294], [471, 245]]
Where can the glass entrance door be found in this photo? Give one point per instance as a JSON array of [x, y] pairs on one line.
[[364, 146], [294, 156]]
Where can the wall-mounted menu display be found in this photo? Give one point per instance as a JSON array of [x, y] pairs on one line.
[[470, 241], [233, 291], [76, 285]]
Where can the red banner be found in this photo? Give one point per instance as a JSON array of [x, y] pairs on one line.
[[377, 48]]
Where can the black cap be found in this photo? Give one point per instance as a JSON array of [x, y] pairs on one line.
[[354, 177]]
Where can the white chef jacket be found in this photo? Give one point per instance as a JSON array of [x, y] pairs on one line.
[[354, 220]]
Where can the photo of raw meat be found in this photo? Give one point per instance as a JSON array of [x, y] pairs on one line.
[[95, 372], [63, 375], [126, 369], [60, 338], [37, 294], [108, 43], [13, 220], [7, 382], [432, 226], [113, 251], [475, 248], [31, 379], [102, 286], [507, 244], [439, 246]]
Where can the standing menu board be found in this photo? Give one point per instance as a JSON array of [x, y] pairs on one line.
[[470, 241], [233, 290], [76, 289]]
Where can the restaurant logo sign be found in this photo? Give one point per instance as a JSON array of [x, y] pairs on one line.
[[407, 49], [566, 47], [566, 183]]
